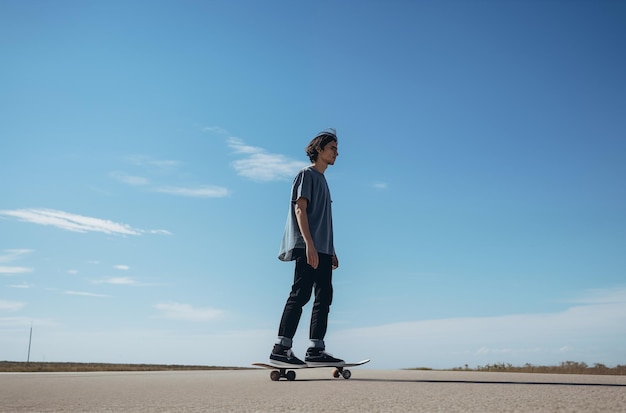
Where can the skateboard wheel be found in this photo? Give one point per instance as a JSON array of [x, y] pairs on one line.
[[346, 374], [275, 375], [336, 373], [291, 375]]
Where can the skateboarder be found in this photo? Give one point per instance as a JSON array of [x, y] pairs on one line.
[[308, 240]]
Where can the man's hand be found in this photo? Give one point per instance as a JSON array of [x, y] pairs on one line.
[[312, 258], [335, 262]]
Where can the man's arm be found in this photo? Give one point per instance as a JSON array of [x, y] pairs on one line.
[[303, 223]]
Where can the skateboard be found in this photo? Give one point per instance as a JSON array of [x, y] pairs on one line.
[[279, 372]]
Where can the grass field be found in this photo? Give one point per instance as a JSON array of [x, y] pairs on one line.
[[566, 367], [16, 367]]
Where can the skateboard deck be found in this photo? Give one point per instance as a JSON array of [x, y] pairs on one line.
[[279, 372]]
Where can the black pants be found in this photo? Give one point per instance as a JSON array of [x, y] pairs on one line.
[[305, 280]]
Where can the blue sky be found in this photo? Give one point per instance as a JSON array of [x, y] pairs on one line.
[[147, 150]]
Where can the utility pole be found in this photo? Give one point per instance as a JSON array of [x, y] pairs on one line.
[[30, 340]]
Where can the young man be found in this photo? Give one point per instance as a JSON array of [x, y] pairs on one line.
[[308, 240]]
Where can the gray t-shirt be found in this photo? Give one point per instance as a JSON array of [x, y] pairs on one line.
[[309, 184]]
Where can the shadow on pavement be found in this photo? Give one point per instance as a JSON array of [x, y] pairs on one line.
[[525, 383], [529, 383]]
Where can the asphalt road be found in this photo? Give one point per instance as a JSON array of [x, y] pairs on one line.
[[313, 391]]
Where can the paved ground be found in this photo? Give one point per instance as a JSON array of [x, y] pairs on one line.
[[313, 391]]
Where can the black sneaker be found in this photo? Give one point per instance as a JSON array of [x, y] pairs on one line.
[[283, 356], [319, 357]]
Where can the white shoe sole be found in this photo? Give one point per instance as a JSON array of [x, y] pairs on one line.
[[287, 365], [327, 364]]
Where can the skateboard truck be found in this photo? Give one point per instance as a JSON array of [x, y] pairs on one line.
[[290, 375]]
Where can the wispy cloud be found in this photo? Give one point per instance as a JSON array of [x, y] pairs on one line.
[[20, 286], [380, 185], [11, 306], [14, 270], [11, 255], [185, 312], [158, 231], [161, 170], [603, 296], [260, 165], [215, 129], [238, 146], [132, 180], [86, 294], [117, 281], [72, 222], [194, 192], [150, 162], [121, 267]]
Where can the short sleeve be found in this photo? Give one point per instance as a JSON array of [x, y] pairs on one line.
[[302, 186]]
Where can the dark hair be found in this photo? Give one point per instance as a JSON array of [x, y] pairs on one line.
[[319, 142]]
